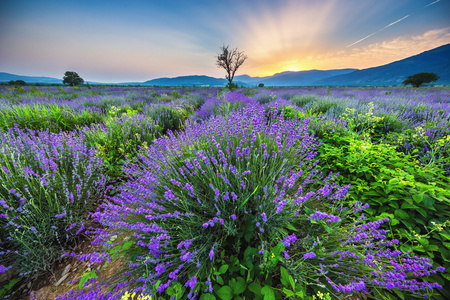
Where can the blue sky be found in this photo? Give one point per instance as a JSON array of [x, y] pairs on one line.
[[118, 41]]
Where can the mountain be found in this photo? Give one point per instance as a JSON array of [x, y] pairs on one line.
[[436, 60], [192, 80], [291, 78], [393, 74], [5, 77]]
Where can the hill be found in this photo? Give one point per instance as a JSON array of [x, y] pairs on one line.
[[436, 60], [192, 80], [5, 77], [291, 78]]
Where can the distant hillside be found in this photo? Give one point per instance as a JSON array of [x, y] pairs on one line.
[[291, 78], [436, 60], [193, 80], [6, 77]]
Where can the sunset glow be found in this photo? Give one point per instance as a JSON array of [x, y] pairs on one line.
[[114, 41]]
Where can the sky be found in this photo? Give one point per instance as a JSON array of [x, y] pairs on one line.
[[137, 40]]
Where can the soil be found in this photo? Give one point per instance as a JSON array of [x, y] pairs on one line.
[[49, 285]]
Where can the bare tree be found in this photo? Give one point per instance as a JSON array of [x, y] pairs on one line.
[[230, 60]]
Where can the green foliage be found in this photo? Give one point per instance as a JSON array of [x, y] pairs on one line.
[[40, 180], [244, 277], [266, 99], [167, 117], [121, 138], [17, 82], [418, 79], [231, 86], [6, 288], [426, 148], [72, 78], [303, 100], [175, 94], [52, 117], [249, 92], [415, 197]]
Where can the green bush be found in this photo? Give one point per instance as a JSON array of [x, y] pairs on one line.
[[167, 117], [52, 117], [120, 138], [303, 100], [415, 197]]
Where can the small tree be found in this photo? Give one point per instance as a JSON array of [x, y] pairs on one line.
[[416, 80], [230, 60], [72, 78], [17, 82]]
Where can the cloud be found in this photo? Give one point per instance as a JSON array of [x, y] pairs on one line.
[[395, 22], [432, 3], [389, 25], [385, 52]]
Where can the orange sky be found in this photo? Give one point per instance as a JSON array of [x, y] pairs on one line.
[[123, 41]]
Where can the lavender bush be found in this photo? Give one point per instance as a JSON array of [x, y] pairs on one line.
[[48, 184], [236, 189], [221, 105]]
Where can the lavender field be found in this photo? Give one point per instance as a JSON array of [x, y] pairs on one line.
[[206, 193]]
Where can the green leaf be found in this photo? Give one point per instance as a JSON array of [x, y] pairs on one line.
[[400, 294], [424, 242], [245, 201], [418, 198], [291, 281], [255, 288], [268, 293], [284, 276], [447, 236], [401, 214], [422, 211], [408, 205], [291, 227], [394, 222], [433, 248], [223, 269], [238, 285], [207, 297], [86, 277], [248, 236], [219, 280], [394, 181], [300, 293], [225, 293], [288, 293], [127, 245], [7, 287]]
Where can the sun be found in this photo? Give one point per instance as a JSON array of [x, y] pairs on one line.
[[293, 69]]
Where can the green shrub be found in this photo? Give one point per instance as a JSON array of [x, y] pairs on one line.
[[52, 117], [415, 197], [303, 100], [167, 117], [120, 139]]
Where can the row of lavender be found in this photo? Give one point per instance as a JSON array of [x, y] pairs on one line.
[[59, 155], [201, 203], [238, 207]]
